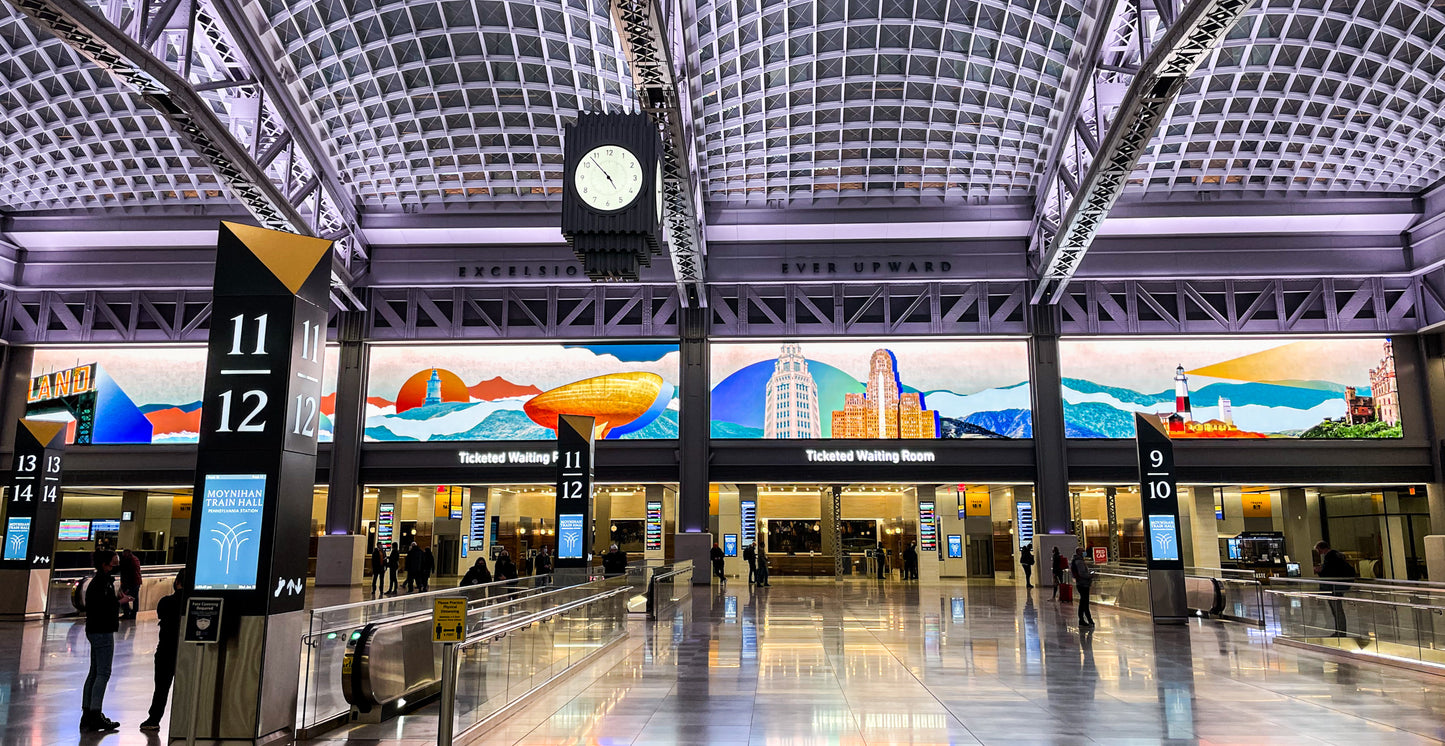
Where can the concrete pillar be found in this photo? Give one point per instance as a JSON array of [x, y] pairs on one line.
[[1186, 524], [341, 551], [1301, 514], [1205, 529], [729, 521], [131, 531], [1392, 528], [950, 524]]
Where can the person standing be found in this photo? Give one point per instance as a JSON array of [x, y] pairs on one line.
[[393, 563], [170, 611], [910, 562], [716, 555], [614, 562], [750, 555], [130, 582], [428, 564], [478, 574], [761, 561], [102, 619], [506, 569], [413, 567], [1083, 579], [1058, 565], [1334, 565], [544, 562], [1026, 560], [882, 556], [378, 570]]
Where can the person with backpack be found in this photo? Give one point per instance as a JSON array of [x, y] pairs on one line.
[[1026, 560], [1083, 579], [393, 563], [1059, 566], [130, 581], [378, 570], [750, 556], [1334, 565]]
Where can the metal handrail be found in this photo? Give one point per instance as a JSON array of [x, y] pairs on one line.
[[1355, 599], [81, 572], [497, 633], [400, 617], [437, 592], [1387, 585]]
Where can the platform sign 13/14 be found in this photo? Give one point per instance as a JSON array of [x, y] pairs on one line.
[[574, 490], [33, 508]]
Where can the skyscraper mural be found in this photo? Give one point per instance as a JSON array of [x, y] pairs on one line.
[[892, 390]]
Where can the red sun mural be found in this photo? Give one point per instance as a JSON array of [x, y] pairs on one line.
[[414, 392]]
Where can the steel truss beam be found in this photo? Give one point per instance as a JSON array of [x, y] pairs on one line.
[[619, 311], [254, 151], [1304, 306], [99, 316], [936, 308], [1097, 184], [644, 29]]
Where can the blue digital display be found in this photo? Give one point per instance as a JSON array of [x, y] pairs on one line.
[[229, 550], [955, 546], [479, 524], [569, 536], [17, 538], [1163, 538], [97, 527], [730, 545]]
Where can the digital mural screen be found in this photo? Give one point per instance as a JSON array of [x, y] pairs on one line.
[[229, 551], [515, 392], [136, 394], [1237, 388], [868, 390]]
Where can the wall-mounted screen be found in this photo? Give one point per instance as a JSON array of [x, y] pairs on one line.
[[802, 536], [927, 526], [385, 524], [654, 525], [955, 546], [229, 543], [1024, 522], [569, 536], [73, 531], [104, 527], [849, 390], [17, 538], [1231, 388], [478, 523], [516, 392], [136, 394], [627, 534], [1163, 538], [730, 545], [858, 535], [749, 518]]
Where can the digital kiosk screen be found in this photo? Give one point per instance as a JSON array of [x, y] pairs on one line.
[[103, 527], [479, 525], [385, 524], [927, 527], [654, 525], [955, 546], [569, 536], [749, 510], [73, 531], [730, 545], [229, 545], [1024, 521], [17, 538], [1163, 539]]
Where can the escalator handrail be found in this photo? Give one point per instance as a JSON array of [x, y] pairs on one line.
[[512, 595], [437, 592], [496, 633]]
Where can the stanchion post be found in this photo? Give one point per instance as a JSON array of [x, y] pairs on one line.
[[449, 627], [447, 714]]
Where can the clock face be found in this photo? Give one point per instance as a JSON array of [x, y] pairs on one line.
[[658, 184], [608, 178]]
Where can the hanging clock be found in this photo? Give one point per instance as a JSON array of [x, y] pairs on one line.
[[612, 199]]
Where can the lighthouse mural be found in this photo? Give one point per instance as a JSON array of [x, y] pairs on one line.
[[1181, 395]]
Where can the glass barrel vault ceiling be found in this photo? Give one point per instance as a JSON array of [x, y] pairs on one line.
[[463, 101]]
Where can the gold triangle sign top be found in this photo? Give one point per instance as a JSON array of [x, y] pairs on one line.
[[290, 257], [43, 430]]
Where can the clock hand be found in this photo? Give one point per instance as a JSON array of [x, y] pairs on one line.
[[604, 171]]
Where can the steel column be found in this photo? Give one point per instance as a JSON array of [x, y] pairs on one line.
[[344, 493]]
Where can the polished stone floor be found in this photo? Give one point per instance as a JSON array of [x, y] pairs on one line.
[[857, 663]]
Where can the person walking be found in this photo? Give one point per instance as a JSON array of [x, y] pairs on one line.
[[1334, 565], [910, 562], [413, 567], [102, 619], [1058, 565], [761, 561], [170, 611], [130, 583], [506, 569], [543, 563], [882, 556], [393, 563], [1026, 560], [716, 555], [750, 555], [614, 562], [1083, 579], [477, 574], [378, 570]]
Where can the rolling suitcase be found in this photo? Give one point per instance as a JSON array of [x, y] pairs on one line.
[[1066, 593]]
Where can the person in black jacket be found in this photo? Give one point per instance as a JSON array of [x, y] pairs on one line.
[[428, 563], [1334, 565], [1026, 560], [477, 574], [413, 567], [378, 570], [170, 612], [1083, 581], [393, 563], [910, 562], [760, 561], [750, 556], [614, 562], [130, 581], [543, 563], [506, 569], [102, 619], [716, 555]]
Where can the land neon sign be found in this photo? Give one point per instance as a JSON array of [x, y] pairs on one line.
[[62, 383]]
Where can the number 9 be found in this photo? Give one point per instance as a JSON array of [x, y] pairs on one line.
[[1156, 458]]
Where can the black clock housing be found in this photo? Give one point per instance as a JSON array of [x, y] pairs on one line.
[[613, 245]]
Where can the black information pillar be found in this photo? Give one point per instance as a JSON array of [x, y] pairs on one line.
[[1161, 521], [574, 491], [33, 512], [256, 464]]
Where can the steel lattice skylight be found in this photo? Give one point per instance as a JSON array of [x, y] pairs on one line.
[[452, 101]]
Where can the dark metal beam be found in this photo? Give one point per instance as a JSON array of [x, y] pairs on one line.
[[1200, 27]]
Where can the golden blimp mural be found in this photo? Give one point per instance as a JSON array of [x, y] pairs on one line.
[[614, 400]]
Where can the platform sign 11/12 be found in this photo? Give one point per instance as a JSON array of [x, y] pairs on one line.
[[575, 435]]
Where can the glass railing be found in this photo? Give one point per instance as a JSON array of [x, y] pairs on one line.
[[543, 638], [1227, 594], [1401, 623], [322, 702]]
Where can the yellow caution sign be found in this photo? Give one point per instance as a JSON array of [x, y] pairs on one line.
[[346, 664], [449, 620]]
